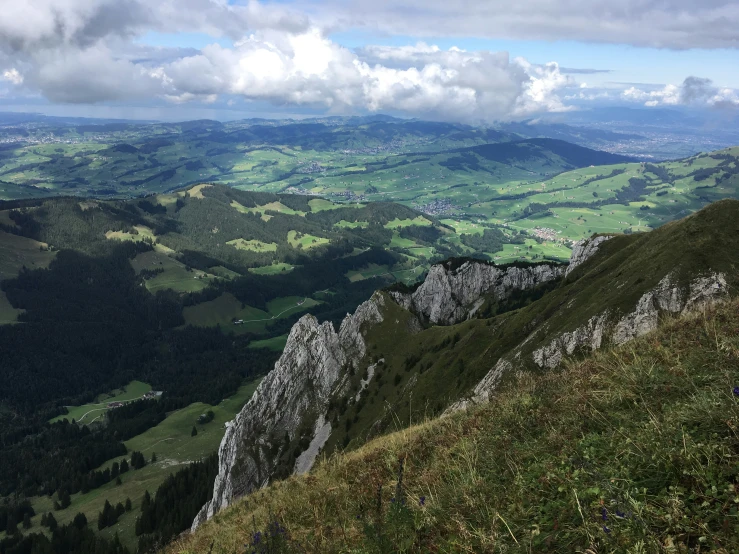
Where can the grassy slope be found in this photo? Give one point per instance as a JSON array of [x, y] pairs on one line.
[[633, 448], [89, 412], [17, 252]]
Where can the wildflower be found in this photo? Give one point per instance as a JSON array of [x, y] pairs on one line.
[[257, 538], [392, 500], [606, 529], [422, 501], [604, 514], [619, 513], [736, 391]]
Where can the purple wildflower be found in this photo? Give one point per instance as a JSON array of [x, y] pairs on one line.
[[422, 501]]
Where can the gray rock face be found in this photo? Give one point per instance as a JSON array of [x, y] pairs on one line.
[[294, 394], [450, 296], [665, 299], [584, 250]]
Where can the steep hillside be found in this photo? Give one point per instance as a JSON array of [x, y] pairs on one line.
[[391, 363], [631, 449]]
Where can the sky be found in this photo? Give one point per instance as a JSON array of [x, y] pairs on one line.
[[470, 61]]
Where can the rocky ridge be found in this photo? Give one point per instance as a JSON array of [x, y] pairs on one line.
[[666, 299], [448, 296], [293, 396], [585, 249]]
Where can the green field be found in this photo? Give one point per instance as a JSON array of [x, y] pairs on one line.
[[400, 242], [174, 447], [400, 223], [174, 275], [253, 245], [367, 272], [271, 269], [276, 344], [304, 240], [320, 204], [17, 252], [141, 233], [87, 413], [226, 308]]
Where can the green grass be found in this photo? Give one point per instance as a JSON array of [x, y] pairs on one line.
[[142, 233], [223, 310], [305, 241], [220, 271], [400, 242], [319, 205], [174, 276], [253, 245], [636, 452], [17, 252], [367, 272], [87, 413], [400, 223], [276, 344], [272, 269], [284, 305], [174, 447]]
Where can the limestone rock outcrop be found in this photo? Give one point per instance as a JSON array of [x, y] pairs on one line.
[[293, 395], [448, 296], [585, 249]]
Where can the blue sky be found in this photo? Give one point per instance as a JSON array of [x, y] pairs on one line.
[[468, 61]]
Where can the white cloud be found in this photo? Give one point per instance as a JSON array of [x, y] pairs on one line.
[[13, 75], [302, 68], [309, 69], [694, 91]]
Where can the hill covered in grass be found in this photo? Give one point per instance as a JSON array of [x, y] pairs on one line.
[[630, 449]]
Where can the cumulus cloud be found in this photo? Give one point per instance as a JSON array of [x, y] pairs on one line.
[[694, 91], [284, 64], [13, 76], [309, 69], [87, 51]]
